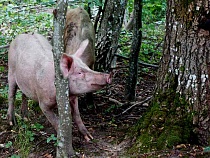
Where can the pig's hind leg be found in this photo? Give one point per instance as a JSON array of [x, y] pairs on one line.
[[24, 106], [77, 119], [11, 98]]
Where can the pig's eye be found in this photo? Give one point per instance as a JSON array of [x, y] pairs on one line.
[[80, 72]]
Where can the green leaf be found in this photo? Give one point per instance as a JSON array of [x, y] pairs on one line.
[[182, 68], [8, 144], [15, 156], [37, 126], [2, 68], [206, 149], [52, 137]]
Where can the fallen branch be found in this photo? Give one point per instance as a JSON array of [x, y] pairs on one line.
[[4, 132], [138, 103], [139, 62], [115, 101], [4, 47]]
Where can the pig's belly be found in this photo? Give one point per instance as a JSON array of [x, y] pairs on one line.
[[27, 88]]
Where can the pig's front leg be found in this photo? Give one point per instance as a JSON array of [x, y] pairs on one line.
[[47, 109], [77, 118]]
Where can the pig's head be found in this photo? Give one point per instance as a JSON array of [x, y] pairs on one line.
[[81, 78]]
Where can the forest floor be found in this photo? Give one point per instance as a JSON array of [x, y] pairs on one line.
[[109, 120]]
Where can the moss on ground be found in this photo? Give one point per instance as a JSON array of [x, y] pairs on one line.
[[167, 122]]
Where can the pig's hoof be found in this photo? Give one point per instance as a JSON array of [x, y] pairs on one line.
[[10, 123], [9, 119], [88, 137]]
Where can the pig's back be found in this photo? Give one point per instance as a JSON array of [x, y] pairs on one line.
[[33, 43], [32, 48], [79, 28], [34, 66]]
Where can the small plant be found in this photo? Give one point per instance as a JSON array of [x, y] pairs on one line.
[[2, 68], [52, 138], [37, 126], [111, 108], [25, 136], [8, 144], [4, 92], [15, 156]]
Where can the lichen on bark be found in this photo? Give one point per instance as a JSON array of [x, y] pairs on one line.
[[64, 133], [109, 33]]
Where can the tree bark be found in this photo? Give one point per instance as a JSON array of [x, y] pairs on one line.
[[64, 135], [135, 48], [109, 33], [97, 18], [129, 24], [180, 110], [186, 60]]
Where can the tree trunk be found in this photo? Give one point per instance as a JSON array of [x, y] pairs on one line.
[[97, 18], [129, 24], [109, 33], [180, 110], [135, 48], [64, 135]]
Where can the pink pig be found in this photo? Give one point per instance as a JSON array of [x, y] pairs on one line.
[[31, 68]]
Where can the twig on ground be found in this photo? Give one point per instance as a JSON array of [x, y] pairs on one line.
[[119, 67], [4, 47], [138, 103], [4, 132], [115, 101]]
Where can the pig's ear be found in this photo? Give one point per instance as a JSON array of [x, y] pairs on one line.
[[82, 48], [65, 64]]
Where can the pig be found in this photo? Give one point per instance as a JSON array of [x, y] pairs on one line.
[[79, 27], [31, 68]]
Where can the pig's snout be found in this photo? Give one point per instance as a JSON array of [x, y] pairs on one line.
[[109, 78]]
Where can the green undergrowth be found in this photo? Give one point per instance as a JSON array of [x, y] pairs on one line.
[[167, 122], [23, 17], [2, 99], [25, 133], [25, 129]]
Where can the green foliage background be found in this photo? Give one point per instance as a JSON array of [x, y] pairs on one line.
[[23, 17], [153, 29]]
